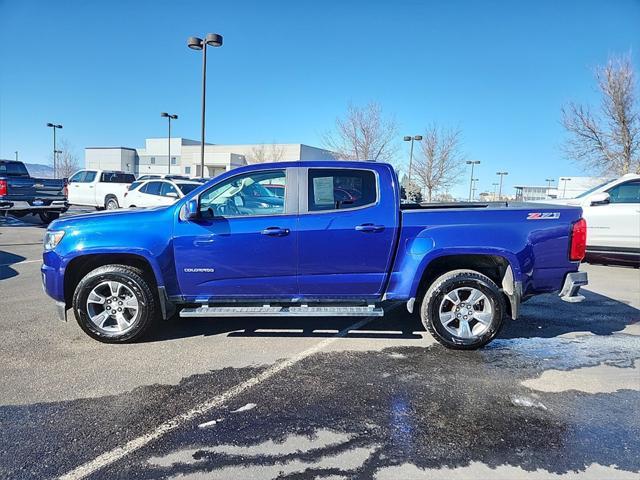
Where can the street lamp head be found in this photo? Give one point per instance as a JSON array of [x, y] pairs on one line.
[[50, 125], [195, 43], [174, 117], [473, 162], [417, 138], [214, 40], [164, 114], [502, 173], [406, 138]]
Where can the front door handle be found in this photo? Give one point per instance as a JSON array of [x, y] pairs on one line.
[[204, 240], [369, 228], [275, 231]]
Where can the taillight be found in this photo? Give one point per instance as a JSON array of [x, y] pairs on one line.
[[578, 240], [3, 188], [65, 191]]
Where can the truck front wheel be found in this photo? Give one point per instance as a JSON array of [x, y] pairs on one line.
[[463, 309], [115, 304]]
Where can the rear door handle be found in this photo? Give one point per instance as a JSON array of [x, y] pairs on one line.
[[275, 231], [369, 228]]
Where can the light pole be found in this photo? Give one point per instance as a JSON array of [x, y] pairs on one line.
[[169, 117], [549, 182], [55, 127], [56, 153], [502, 174], [474, 182], [472, 163], [195, 43], [495, 184], [564, 190], [411, 139], [16, 152]]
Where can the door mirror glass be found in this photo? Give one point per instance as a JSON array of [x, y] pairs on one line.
[[601, 198], [191, 209]]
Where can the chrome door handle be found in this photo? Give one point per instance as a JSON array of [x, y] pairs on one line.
[[369, 228], [275, 231]]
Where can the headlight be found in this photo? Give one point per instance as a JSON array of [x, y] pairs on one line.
[[52, 239]]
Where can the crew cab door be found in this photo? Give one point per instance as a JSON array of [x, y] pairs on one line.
[[82, 188], [346, 232], [244, 243], [616, 224]]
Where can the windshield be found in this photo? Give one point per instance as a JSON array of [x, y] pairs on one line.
[[591, 190]]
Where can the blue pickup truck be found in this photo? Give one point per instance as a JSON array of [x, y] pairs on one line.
[[312, 239]]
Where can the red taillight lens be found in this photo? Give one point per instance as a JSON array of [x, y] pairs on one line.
[[578, 240], [3, 188]]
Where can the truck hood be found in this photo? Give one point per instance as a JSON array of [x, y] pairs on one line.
[[134, 218]]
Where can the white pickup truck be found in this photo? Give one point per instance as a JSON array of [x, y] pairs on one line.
[[99, 188]]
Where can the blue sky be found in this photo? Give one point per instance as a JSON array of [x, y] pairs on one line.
[[498, 70]]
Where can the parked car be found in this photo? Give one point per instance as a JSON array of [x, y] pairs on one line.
[[168, 176], [153, 193], [612, 212], [103, 189], [21, 194], [222, 251]]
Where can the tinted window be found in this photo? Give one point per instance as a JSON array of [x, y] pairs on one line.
[[78, 177], [13, 169], [153, 188], [89, 177], [115, 177], [628, 192], [135, 185], [187, 187], [244, 195], [332, 189], [167, 188]]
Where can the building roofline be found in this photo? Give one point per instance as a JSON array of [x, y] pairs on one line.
[[109, 148]]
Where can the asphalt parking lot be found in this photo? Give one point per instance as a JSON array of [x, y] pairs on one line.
[[557, 395]]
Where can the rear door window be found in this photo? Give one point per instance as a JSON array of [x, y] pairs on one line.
[[167, 188], [117, 177], [628, 192], [153, 188], [339, 189], [89, 176]]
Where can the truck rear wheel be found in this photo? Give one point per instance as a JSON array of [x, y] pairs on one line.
[[115, 304], [111, 203], [48, 217], [463, 309]]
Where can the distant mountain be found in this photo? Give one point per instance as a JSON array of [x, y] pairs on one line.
[[39, 171]]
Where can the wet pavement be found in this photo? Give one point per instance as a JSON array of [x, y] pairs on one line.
[[557, 395]]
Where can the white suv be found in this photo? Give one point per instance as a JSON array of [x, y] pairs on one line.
[[612, 212], [157, 192]]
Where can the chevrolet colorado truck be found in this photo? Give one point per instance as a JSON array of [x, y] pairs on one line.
[[234, 248], [21, 194]]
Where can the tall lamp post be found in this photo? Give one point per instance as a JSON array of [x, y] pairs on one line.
[[169, 117], [195, 43], [16, 152], [474, 184], [472, 163], [495, 184], [55, 127], [564, 190], [502, 174], [549, 182], [417, 138]]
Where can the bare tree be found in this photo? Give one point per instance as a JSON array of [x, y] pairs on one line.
[[67, 162], [364, 133], [438, 164], [266, 153], [608, 142]]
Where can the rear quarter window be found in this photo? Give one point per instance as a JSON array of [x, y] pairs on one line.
[[116, 177], [13, 169], [339, 189]]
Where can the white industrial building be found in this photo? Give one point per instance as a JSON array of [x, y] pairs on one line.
[[185, 156]]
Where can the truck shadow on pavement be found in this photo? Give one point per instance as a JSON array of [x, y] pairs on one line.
[[6, 261], [545, 316]]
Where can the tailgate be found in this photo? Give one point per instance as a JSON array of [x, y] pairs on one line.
[[48, 188]]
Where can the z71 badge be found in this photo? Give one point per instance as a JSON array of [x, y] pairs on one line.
[[543, 216]]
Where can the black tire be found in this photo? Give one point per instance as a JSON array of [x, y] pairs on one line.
[[461, 279], [111, 203], [134, 280], [48, 217]]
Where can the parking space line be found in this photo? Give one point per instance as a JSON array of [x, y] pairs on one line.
[[20, 263], [168, 426]]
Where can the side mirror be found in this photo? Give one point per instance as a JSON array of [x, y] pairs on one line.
[[601, 198], [191, 209], [171, 195]]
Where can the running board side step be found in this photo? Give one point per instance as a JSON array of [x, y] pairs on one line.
[[278, 311]]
